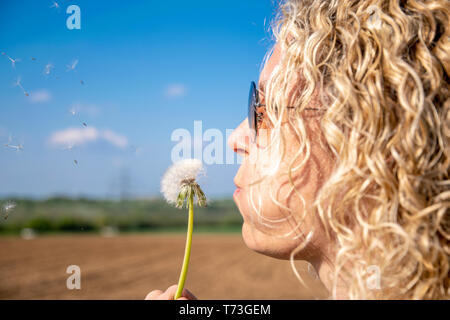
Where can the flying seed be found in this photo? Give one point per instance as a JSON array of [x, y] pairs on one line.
[[55, 5], [72, 66]]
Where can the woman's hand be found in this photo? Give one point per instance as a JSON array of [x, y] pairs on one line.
[[169, 294]]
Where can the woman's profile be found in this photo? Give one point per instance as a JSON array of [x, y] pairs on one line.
[[346, 148]]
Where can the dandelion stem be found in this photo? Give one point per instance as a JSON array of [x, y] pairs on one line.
[[187, 252]]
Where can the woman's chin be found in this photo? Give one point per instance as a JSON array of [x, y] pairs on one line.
[[262, 243]]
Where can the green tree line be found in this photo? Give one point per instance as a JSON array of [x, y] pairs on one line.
[[60, 214]]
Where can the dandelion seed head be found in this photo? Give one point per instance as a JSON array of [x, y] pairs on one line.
[[179, 172]]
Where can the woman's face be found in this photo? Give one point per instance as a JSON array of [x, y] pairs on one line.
[[277, 229]]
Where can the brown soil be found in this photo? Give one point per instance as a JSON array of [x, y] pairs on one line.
[[130, 266]]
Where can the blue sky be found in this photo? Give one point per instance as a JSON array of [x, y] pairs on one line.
[[147, 67]]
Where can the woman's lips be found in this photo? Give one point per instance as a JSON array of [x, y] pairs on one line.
[[238, 188]]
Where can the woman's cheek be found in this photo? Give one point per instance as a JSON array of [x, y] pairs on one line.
[[261, 204], [260, 212]]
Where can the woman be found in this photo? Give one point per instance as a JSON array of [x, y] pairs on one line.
[[347, 148]]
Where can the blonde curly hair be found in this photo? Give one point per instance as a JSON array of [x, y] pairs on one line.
[[380, 70]]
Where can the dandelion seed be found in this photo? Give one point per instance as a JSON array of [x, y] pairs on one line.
[[18, 83], [178, 186], [84, 124], [55, 5], [18, 147], [13, 61], [72, 111], [82, 82], [8, 207], [72, 66], [33, 58], [69, 147], [48, 68]]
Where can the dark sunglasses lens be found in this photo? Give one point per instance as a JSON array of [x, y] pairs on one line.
[[251, 107]]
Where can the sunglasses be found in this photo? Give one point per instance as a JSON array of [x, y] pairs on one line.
[[254, 114]]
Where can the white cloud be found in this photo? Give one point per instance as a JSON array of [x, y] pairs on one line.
[[39, 96], [176, 90], [80, 136], [114, 138]]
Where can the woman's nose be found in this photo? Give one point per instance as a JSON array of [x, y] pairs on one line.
[[239, 140]]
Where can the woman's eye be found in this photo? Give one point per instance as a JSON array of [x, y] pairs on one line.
[[260, 116], [262, 121]]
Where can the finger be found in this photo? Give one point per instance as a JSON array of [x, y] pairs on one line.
[[189, 295], [170, 293], [164, 296], [153, 294], [182, 298]]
